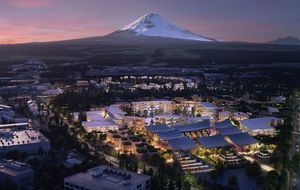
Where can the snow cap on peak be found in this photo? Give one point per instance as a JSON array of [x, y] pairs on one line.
[[153, 24]]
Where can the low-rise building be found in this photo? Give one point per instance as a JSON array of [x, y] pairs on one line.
[[99, 126], [30, 141], [223, 115], [136, 124], [152, 107], [107, 177], [115, 113], [239, 116], [260, 126], [207, 109], [17, 173]]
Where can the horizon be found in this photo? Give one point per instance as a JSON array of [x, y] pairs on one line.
[[29, 21]]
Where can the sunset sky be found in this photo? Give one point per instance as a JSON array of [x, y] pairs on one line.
[[228, 20]]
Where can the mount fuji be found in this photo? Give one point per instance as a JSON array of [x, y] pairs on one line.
[[153, 25]]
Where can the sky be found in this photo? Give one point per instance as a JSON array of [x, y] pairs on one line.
[[227, 20]]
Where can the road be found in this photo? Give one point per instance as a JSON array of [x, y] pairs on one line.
[[265, 167], [295, 135], [92, 150]]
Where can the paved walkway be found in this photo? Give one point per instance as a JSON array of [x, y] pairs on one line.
[[265, 167]]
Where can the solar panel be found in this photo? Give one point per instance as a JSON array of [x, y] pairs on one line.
[[242, 139], [216, 141]]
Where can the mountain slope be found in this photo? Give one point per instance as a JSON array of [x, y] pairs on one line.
[[290, 40], [153, 25]]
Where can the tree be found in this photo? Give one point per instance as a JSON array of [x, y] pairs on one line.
[[81, 116], [253, 169], [191, 180], [59, 142], [193, 111], [271, 181], [232, 180], [8, 185]]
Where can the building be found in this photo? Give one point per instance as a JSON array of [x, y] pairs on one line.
[[107, 177], [223, 115], [33, 107], [215, 141], [243, 142], [207, 109], [154, 107], [17, 173], [14, 126], [195, 129], [99, 126], [96, 115], [7, 114], [239, 116], [30, 141], [169, 119], [260, 126], [115, 113], [134, 123]]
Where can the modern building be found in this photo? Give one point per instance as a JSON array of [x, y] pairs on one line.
[[108, 178], [207, 109], [116, 113], [17, 173], [169, 119], [195, 129], [260, 126], [215, 141], [154, 107], [239, 116], [30, 141], [242, 142], [14, 126], [99, 126], [224, 115], [136, 124], [95, 115], [7, 114]]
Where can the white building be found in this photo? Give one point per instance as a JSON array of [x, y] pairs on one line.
[[95, 115], [115, 113], [107, 177], [100, 126], [30, 141], [150, 107], [17, 173]]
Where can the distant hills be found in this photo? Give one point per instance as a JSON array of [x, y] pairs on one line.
[[289, 40]]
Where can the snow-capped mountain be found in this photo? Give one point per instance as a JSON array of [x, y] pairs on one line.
[[156, 26]]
